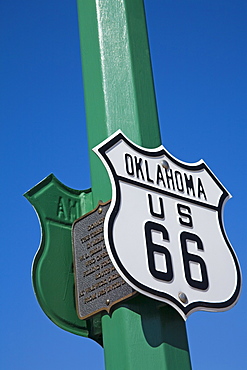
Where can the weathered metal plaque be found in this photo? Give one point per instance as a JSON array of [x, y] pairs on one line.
[[98, 286]]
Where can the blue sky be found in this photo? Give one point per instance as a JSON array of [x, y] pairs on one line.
[[199, 57]]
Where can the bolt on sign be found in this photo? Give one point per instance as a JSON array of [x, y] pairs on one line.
[[164, 230], [98, 286]]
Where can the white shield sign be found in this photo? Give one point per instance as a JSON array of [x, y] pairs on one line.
[[164, 230]]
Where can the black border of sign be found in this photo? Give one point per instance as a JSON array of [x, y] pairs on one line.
[[201, 166]]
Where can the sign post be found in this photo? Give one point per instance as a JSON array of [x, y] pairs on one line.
[[118, 87], [143, 227]]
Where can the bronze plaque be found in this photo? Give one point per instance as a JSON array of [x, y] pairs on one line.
[[98, 286]]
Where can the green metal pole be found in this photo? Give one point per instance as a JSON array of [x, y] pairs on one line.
[[119, 93]]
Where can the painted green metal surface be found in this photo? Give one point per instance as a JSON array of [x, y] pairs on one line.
[[53, 281], [119, 93], [118, 83], [150, 336]]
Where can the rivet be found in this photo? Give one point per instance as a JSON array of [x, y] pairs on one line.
[[165, 164], [100, 210], [107, 302], [183, 298]]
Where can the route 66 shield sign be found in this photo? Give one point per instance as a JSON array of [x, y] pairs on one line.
[[164, 230]]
